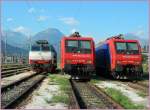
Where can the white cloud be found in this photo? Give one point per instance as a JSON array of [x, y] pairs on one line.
[[42, 18], [73, 30], [139, 33], [9, 19], [31, 10], [22, 29], [19, 29], [140, 27], [69, 20]]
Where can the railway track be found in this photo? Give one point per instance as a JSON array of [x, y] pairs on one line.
[[9, 71], [89, 97], [14, 92], [12, 65]]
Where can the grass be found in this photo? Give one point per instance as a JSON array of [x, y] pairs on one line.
[[145, 63], [94, 81], [63, 82], [122, 99], [145, 67], [60, 98], [59, 80], [142, 94], [37, 93]]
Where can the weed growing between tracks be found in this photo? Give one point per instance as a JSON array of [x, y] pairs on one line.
[[142, 94], [64, 84], [123, 100], [94, 81], [145, 63], [132, 99]]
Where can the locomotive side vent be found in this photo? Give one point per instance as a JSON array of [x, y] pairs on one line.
[[75, 34]]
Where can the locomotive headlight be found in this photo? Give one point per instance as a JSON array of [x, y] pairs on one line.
[[89, 61], [137, 62], [68, 61], [118, 62]]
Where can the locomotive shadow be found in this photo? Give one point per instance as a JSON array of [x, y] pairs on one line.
[[57, 71]]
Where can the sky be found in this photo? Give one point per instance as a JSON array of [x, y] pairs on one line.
[[95, 19]]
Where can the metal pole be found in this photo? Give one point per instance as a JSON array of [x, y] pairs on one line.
[[5, 55]]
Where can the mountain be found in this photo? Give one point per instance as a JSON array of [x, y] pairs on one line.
[[52, 35], [142, 41], [15, 39], [12, 51], [18, 43]]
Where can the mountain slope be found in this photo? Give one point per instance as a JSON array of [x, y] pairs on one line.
[[142, 41], [52, 35], [12, 51], [18, 43], [15, 39]]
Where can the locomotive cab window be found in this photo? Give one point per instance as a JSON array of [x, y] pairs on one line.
[[45, 48], [127, 47], [78, 46], [52, 49], [72, 43], [35, 48], [71, 46], [85, 46], [133, 48], [121, 46]]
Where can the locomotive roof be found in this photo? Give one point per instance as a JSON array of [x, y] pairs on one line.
[[42, 42], [121, 38], [77, 38], [115, 40], [75, 34], [39, 44], [124, 40]]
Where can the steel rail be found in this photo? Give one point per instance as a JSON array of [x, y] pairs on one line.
[[90, 97], [12, 93], [12, 68], [13, 72]]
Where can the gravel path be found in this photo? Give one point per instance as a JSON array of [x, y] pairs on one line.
[[41, 98]]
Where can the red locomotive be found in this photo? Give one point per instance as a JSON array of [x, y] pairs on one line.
[[119, 58], [77, 56]]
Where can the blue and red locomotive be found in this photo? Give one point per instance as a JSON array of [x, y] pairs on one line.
[[77, 56], [119, 58]]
